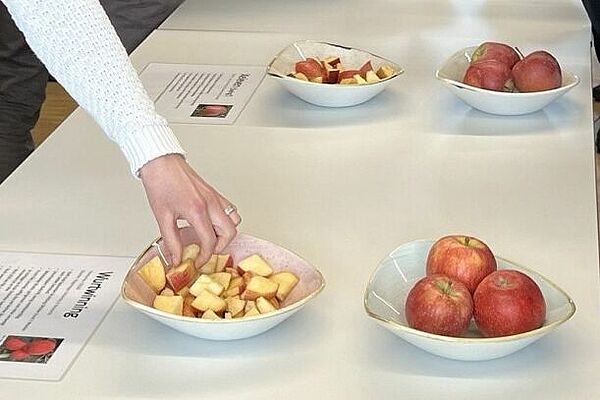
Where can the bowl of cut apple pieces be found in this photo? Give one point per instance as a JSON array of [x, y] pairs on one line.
[[332, 75], [248, 289]]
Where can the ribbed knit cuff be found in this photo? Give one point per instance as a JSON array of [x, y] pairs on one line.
[[148, 143]]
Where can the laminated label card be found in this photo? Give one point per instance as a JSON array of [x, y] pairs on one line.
[[201, 94], [50, 305]]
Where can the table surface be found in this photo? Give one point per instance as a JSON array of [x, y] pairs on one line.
[[342, 188]]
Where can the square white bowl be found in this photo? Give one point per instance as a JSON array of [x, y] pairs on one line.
[[391, 281], [325, 94], [452, 72], [137, 293]]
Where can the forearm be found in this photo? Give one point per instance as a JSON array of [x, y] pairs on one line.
[[79, 46]]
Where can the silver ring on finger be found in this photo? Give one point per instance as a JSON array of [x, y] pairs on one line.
[[230, 209]]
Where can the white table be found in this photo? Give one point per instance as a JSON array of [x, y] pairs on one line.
[[342, 188]]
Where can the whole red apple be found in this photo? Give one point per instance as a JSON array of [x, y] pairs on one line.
[[508, 302], [440, 305], [461, 257], [536, 72], [489, 74], [496, 51]]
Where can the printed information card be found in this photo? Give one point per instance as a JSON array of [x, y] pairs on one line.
[[201, 94], [50, 305]]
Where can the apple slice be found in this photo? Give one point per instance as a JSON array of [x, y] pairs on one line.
[[235, 306], [366, 67], [235, 291], [180, 276], [264, 305], [190, 252], [188, 310], [385, 71], [359, 79], [349, 73], [253, 312], [223, 261], [169, 304], [250, 304], [318, 79], [259, 286], [222, 278], [332, 61], [255, 264], [348, 81], [210, 266], [372, 77], [167, 292], [205, 282], [286, 281], [311, 68], [209, 301], [210, 314], [236, 281], [153, 273], [300, 75]]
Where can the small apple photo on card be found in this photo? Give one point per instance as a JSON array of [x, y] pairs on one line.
[[212, 110], [29, 349]]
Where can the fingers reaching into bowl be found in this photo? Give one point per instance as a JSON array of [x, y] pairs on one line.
[[175, 191]]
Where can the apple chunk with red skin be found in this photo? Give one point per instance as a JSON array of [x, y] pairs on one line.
[[464, 258], [508, 302], [311, 68], [496, 51], [180, 276], [440, 305], [259, 286], [537, 72], [153, 273]]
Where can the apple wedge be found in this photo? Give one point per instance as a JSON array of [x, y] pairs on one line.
[[223, 261], [210, 266], [222, 278], [385, 71], [209, 301], [250, 304], [235, 306], [169, 304], [259, 286], [286, 281], [180, 276], [153, 273], [252, 312], [167, 292], [210, 314], [188, 310], [264, 305], [255, 264], [205, 282], [365, 68], [190, 252], [371, 77]]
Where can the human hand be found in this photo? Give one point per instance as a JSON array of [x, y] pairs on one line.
[[175, 191]]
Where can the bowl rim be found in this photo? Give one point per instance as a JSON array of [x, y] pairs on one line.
[[181, 318], [462, 85], [398, 70], [452, 339]]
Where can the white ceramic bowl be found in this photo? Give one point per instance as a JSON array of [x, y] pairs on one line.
[[323, 94], [137, 294], [388, 288], [451, 73]]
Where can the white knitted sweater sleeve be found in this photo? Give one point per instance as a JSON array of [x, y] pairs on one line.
[[81, 49]]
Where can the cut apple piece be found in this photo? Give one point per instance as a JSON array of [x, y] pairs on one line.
[[169, 304], [167, 292], [236, 281], [359, 79], [209, 301], [331, 61], [366, 67], [349, 73], [190, 252], [255, 264], [210, 314], [153, 273], [233, 271], [235, 306], [372, 77], [318, 79], [205, 282], [222, 278], [180, 276], [287, 281], [223, 261], [259, 286], [275, 302], [228, 315], [385, 71], [184, 291], [210, 266], [234, 291], [348, 81], [188, 310], [247, 276], [253, 312], [300, 75], [310, 67], [264, 305], [249, 306]]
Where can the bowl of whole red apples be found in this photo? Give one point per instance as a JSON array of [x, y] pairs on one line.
[[454, 298], [496, 78], [331, 75], [251, 287]]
